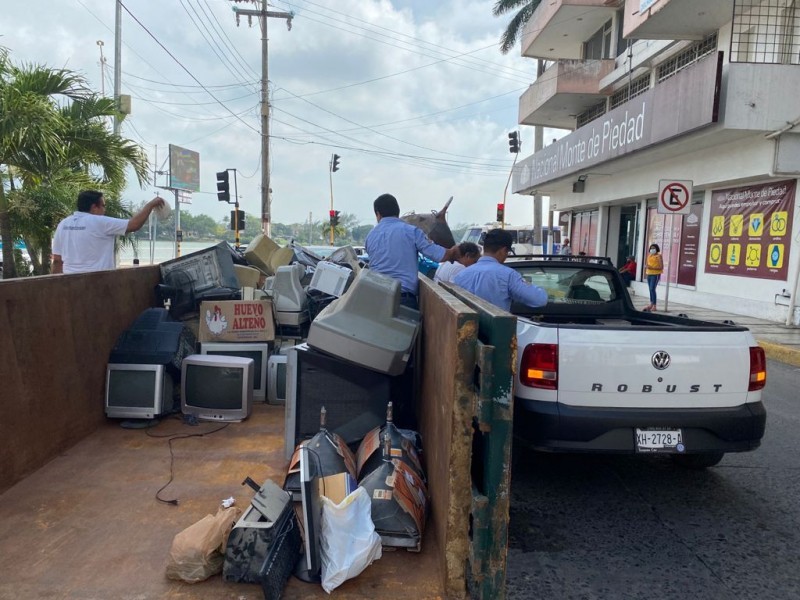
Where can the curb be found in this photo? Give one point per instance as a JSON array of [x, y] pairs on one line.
[[781, 353]]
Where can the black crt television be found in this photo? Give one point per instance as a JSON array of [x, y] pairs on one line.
[[354, 397]]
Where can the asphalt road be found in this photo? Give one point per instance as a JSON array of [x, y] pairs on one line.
[[612, 527]]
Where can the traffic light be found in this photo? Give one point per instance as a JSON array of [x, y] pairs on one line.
[[237, 220], [223, 186], [501, 211], [335, 163], [334, 217], [513, 142]]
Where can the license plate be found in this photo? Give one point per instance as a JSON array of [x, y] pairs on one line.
[[659, 440]]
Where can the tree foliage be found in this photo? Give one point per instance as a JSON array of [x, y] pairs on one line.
[[55, 140], [513, 31]]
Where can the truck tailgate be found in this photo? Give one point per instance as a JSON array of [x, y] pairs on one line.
[[619, 368]]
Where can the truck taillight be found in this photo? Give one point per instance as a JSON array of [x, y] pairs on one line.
[[758, 369], [539, 368]]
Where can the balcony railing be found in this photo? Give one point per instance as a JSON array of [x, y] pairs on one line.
[[565, 90]]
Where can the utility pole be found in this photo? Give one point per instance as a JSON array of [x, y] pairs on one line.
[[117, 64], [102, 69], [263, 15]]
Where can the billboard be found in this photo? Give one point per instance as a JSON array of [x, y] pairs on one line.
[[749, 231], [184, 169]]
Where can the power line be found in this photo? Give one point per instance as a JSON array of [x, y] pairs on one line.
[[188, 72], [212, 43], [421, 41]]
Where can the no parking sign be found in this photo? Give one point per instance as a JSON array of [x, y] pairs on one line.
[[674, 197]]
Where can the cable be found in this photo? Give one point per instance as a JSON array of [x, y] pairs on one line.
[[415, 39], [212, 43], [171, 438], [180, 64], [376, 131], [428, 54]]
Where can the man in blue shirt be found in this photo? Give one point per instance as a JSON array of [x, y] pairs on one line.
[[393, 245], [491, 280]]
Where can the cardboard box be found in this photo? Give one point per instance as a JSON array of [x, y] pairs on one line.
[[237, 321], [337, 487]]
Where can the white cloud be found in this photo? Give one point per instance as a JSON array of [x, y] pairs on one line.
[[401, 133]]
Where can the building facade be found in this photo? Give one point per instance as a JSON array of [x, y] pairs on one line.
[[684, 130]]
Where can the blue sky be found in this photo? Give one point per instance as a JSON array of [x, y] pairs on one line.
[[414, 96]]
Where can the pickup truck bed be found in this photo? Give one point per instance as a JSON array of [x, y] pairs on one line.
[[88, 526], [596, 375]]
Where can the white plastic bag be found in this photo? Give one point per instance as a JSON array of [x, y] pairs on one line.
[[348, 541]]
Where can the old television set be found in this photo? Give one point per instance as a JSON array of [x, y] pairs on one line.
[[258, 351], [276, 379], [138, 391], [354, 397], [217, 387]]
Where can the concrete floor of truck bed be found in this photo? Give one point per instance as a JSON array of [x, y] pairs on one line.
[[88, 526]]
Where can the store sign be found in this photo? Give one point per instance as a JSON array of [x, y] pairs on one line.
[[645, 4], [643, 121], [690, 245], [750, 230]]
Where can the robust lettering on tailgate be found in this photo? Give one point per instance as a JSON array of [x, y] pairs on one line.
[[669, 388]]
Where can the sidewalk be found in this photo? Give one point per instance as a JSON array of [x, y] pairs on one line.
[[780, 342]]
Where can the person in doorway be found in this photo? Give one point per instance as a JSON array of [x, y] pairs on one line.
[[393, 247], [653, 269], [566, 249], [84, 241], [628, 271], [493, 281], [469, 255]]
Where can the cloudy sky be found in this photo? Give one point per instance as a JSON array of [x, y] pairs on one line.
[[413, 95]]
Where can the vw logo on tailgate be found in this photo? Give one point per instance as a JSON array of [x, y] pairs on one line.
[[660, 360]]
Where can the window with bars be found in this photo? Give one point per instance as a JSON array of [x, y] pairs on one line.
[[592, 113], [635, 88], [766, 31], [688, 57]]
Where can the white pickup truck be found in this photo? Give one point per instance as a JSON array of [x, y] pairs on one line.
[[596, 375]]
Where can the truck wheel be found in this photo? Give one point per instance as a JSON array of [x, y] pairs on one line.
[[697, 461]]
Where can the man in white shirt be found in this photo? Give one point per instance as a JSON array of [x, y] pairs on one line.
[[470, 253], [84, 241]]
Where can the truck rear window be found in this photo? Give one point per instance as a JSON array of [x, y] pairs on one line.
[[576, 285]]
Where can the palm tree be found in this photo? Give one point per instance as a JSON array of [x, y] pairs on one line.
[[525, 9], [28, 119], [55, 150]]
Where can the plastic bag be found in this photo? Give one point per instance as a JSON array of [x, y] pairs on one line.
[[348, 541], [197, 551]]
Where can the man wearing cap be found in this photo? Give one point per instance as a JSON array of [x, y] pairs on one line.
[[491, 280], [393, 244]]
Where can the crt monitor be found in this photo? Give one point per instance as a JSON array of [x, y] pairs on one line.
[[138, 391], [217, 388], [276, 379], [354, 397], [258, 351]]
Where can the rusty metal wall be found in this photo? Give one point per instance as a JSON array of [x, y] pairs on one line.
[[57, 332], [446, 402]]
